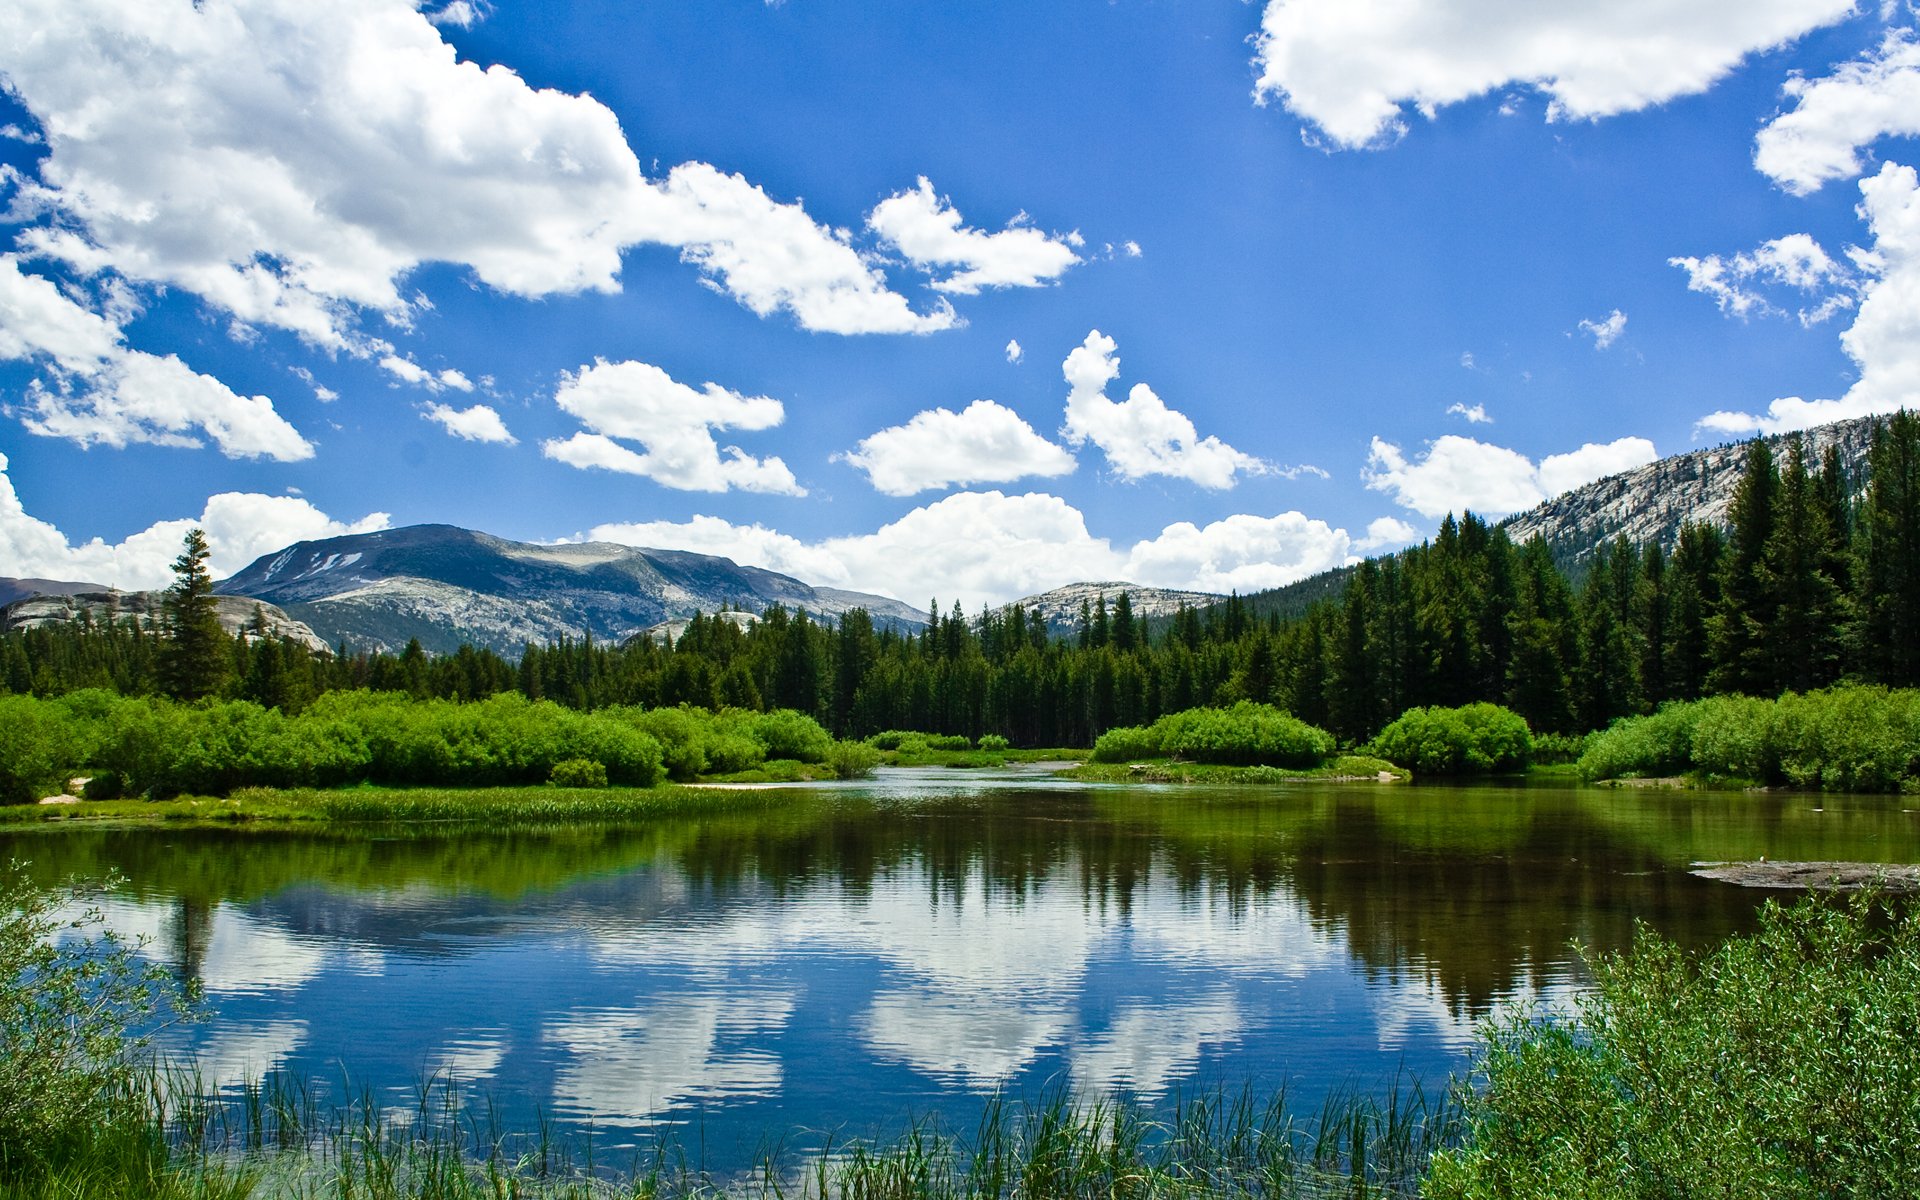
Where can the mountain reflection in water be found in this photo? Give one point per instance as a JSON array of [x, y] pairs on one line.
[[849, 957]]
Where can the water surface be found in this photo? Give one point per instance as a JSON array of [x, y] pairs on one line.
[[844, 958]]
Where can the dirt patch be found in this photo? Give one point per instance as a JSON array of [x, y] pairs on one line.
[[1804, 876]]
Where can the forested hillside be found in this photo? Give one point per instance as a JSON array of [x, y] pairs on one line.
[[1817, 580]]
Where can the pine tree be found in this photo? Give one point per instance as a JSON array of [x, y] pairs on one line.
[[1693, 586], [197, 655], [1887, 594], [1737, 630], [1803, 634]]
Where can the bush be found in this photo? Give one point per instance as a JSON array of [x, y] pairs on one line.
[[1469, 740], [1661, 744], [949, 741], [1126, 743], [785, 733], [994, 742], [69, 997], [1778, 1065], [36, 744], [852, 760], [578, 773]]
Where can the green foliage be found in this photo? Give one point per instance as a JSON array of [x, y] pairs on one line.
[[1469, 740], [852, 760], [1247, 734], [71, 996], [1778, 1065], [36, 744], [993, 741], [578, 773], [784, 733], [1845, 739], [1554, 749]]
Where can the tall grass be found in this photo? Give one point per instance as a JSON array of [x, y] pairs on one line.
[[275, 1138]]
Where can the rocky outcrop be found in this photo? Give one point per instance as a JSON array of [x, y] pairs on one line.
[[445, 586], [108, 606], [1060, 608], [1651, 503]]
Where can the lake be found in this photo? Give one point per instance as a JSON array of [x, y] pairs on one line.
[[842, 959]]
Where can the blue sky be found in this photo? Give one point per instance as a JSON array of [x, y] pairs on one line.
[[964, 301]]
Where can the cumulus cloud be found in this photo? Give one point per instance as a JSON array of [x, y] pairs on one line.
[[983, 443], [1014, 352], [1475, 414], [1349, 68], [481, 423], [292, 163], [1607, 330], [1884, 340], [1383, 532], [240, 527], [1795, 261], [1141, 436], [928, 231], [1834, 118], [1458, 474], [987, 548], [673, 423], [97, 391]]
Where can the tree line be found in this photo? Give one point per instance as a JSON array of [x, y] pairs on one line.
[[1815, 580]]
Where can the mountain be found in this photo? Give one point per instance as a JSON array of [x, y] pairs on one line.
[[12, 590], [1060, 608], [1651, 503], [446, 585], [105, 606]]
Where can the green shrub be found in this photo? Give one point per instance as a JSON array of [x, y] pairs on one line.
[[1778, 1065], [785, 733], [1660, 744], [852, 760], [70, 997], [949, 741], [1469, 740], [578, 773], [1126, 743], [36, 744], [891, 739], [1851, 739], [1730, 737], [994, 742], [1552, 749]]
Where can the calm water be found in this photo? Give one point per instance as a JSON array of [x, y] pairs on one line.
[[850, 957]]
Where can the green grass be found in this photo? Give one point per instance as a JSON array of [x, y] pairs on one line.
[[1161, 770], [295, 806]]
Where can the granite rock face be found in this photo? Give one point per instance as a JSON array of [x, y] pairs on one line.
[[1060, 608], [1651, 503], [445, 586], [107, 606]]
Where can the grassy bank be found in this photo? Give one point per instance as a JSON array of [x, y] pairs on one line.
[[489, 806], [1346, 767]]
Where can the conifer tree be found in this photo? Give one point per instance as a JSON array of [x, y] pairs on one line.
[[1737, 630], [1887, 627], [197, 653], [1803, 635]]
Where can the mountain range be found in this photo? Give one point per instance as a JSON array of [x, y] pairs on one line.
[[445, 585]]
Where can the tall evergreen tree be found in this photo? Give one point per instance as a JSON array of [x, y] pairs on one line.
[[1804, 634], [197, 654], [1887, 594], [1737, 630], [1693, 587]]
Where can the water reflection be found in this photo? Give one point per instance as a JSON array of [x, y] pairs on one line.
[[848, 956]]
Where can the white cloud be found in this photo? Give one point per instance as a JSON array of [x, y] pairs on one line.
[[1835, 117], [1466, 359], [99, 392], [1239, 553], [989, 548], [408, 371], [983, 443], [1132, 249], [1475, 415], [1348, 68], [1885, 337], [929, 232], [772, 256], [477, 424], [1141, 436], [292, 163], [1386, 531], [240, 526], [1458, 474], [1014, 352], [1795, 261], [1607, 330], [674, 423]]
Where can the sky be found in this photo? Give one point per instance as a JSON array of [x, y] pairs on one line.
[[933, 300]]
